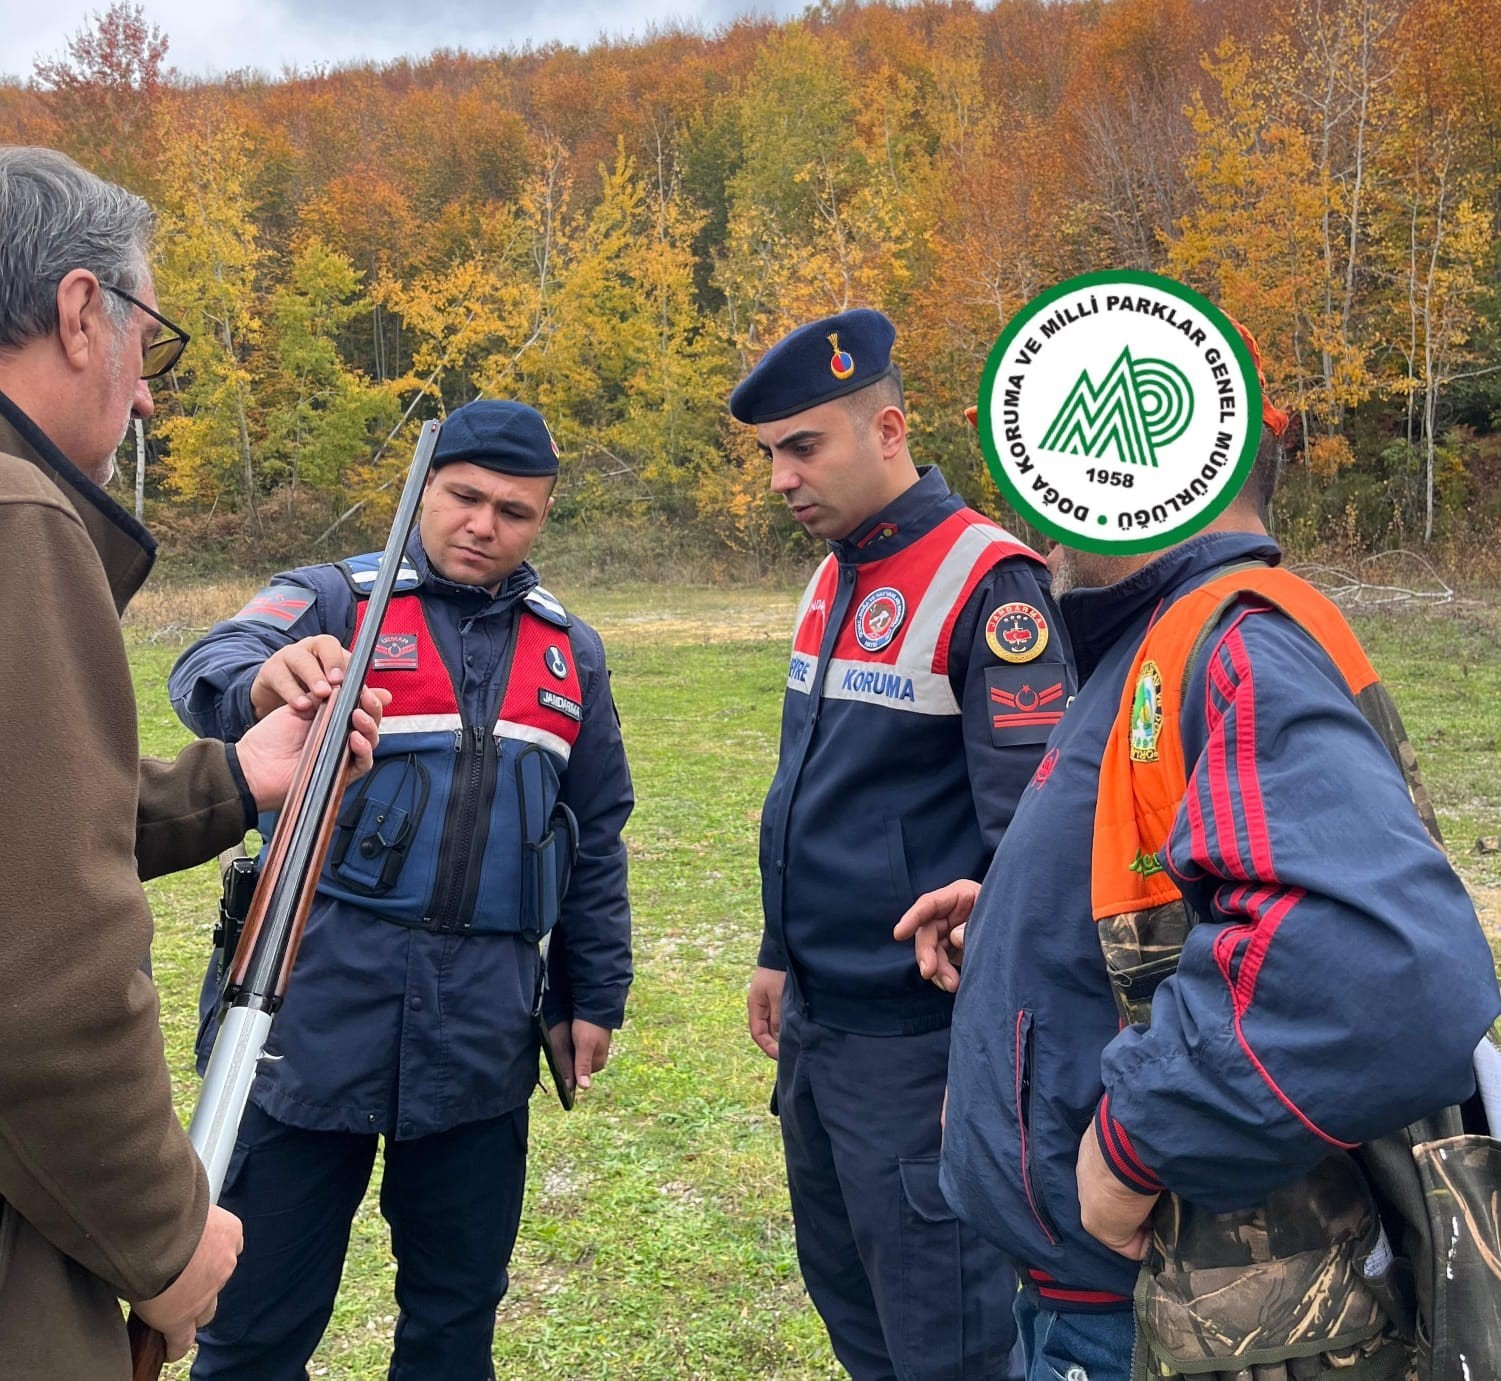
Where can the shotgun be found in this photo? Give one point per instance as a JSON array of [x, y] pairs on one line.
[[257, 980]]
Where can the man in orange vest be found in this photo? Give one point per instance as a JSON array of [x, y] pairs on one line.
[[1291, 968]]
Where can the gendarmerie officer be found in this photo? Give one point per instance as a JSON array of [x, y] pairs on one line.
[[928, 666], [411, 1016]]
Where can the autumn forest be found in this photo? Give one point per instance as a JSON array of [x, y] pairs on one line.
[[615, 234]]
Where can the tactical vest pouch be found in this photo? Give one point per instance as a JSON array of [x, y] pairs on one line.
[[547, 852], [1276, 1292], [377, 824], [1437, 1184]]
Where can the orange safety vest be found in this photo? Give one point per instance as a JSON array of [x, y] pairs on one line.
[[1143, 779]]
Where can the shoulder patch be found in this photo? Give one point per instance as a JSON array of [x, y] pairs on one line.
[[1025, 702], [277, 606], [546, 606], [361, 572], [1017, 632], [1146, 714]]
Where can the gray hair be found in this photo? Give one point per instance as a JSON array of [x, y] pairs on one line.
[[56, 217]]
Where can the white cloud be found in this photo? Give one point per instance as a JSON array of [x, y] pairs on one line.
[[209, 37]]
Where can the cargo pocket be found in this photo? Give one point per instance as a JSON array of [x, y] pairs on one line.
[[1277, 1283], [931, 1274], [377, 824]]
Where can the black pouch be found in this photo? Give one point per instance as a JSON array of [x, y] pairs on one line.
[[236, 891], [1439, 1184], [562, 1079], [548, 848], [377, 824]]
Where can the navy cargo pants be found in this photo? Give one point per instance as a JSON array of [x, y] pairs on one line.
[[905, 1291], [453, 1202]]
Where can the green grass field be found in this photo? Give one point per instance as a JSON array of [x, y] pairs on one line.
[[656, 1241]]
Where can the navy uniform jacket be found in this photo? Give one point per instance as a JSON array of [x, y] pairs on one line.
[[1360, 981], [401, 1030], [906, 741]]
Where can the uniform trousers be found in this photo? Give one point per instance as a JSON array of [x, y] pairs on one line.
[[453, 1203], [906, 1292]]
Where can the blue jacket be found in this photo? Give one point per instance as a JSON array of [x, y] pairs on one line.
[[1374, 981], [906, 740], [404, 1029]]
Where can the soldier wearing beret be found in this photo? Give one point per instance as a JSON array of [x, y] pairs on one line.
[[492, 818], [928, 667]]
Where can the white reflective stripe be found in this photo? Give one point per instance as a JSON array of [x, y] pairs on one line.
[[806, 602], [548, 600], [802, 674], [529, 733], [391, 725], [929, 692], [406, 571], [418, 724], [910, 683], [894, 687]]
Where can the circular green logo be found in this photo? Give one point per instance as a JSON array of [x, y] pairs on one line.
[[1120, 412]]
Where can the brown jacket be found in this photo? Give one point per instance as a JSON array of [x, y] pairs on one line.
[[101, 1195]]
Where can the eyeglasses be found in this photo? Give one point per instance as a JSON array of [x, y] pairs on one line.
[[166, 349]]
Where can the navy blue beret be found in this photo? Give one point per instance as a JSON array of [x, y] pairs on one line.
[[823, 360], [509, 437]]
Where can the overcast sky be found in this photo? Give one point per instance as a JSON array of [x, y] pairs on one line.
[[215, 36]]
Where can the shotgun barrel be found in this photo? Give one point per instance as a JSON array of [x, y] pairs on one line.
[[284, 893]]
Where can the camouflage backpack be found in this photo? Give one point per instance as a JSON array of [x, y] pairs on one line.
[[1379, 1265]]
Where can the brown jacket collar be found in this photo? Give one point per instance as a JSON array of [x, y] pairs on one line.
[[126, 550]]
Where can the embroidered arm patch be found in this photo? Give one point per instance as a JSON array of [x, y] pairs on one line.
[[1025, 702], [277, 606]]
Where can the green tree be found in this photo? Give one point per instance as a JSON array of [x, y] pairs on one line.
[[319, 412], [207, 260]]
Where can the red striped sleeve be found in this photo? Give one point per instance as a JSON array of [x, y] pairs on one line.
[[1120, 1155]]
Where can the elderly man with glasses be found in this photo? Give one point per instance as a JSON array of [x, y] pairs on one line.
[[101, 1196]]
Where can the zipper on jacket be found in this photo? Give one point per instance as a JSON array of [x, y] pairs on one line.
[[455, 858], [1025, 1041], [466, 821]]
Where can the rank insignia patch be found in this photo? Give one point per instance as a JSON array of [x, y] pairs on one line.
[[395, 652], [1016, 632], [1025, 702], [551, 700], [879, 616], [556, 662], [1146, 714], [278, 605], [842, 365]]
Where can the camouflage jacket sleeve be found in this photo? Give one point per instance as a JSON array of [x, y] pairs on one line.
[[1337, 981]]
